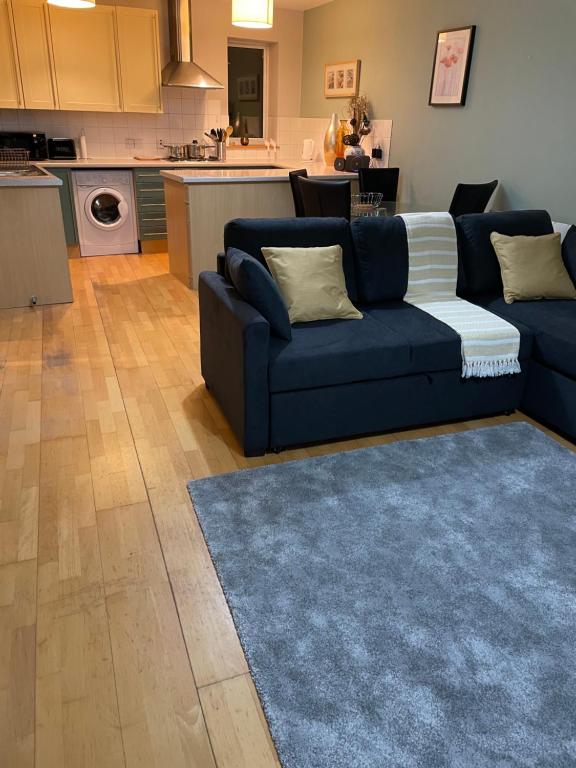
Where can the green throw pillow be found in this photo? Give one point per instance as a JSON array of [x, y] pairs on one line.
[[311, 281]]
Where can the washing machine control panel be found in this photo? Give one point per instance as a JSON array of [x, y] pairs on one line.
[[103, 178]]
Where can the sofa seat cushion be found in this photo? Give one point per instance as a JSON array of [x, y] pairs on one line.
[[553, 323], [393, 339], [329, 352]]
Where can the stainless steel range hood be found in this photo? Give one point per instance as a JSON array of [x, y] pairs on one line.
[[182, 71]]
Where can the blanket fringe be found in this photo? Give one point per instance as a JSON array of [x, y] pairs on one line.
[[486, 368]]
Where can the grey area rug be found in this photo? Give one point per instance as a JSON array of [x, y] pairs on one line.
[[410, 605]]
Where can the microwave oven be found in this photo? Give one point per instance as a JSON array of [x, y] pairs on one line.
[[35, 143]]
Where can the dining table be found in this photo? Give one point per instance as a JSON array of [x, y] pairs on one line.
[[389, 208]]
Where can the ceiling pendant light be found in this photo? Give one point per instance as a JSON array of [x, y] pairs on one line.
[[73, 3], [253, 14]]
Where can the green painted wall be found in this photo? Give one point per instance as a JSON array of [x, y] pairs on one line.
[[519, 122]]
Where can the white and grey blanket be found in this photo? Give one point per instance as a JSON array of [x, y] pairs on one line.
[[490, 345]]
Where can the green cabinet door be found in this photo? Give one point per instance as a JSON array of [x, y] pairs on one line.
[[67, 204]]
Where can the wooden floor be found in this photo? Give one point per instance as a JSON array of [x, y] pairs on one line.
[[116, 645]]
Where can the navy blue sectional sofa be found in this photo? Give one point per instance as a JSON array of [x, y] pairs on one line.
[[399, 366]]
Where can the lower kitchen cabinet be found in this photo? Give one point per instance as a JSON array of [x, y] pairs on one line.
[[150, 204], [33, 257], [67, 205]]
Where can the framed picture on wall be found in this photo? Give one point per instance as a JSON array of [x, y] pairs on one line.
[[248, 89], [451, 67], [341, 80]]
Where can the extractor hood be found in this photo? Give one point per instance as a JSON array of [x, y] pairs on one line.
[[181, 70]]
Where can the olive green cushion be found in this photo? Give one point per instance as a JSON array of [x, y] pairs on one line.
[[311, 281], [532, 267]]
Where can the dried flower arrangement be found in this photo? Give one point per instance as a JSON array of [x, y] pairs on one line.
[[357, 109]]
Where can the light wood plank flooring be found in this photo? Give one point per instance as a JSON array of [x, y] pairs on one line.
[[116, 644]]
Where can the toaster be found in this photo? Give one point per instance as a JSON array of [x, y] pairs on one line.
[[61, 149]]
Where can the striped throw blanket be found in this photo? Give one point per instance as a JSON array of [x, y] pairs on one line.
[[490, 345]]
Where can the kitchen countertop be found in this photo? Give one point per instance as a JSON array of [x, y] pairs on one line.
[[131, 162], [45, 180], [252, 174]]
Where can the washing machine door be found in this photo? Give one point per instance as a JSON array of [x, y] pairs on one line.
[[106, 208]]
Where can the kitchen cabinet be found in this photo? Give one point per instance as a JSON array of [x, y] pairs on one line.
[[34, 60], [10, 93], [85, 63], [150, 204], [33, 257], [67, 204], [139, 59]]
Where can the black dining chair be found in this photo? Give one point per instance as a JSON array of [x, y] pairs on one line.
[[325, 198], [384, 180], [294, 177], [472, 198]]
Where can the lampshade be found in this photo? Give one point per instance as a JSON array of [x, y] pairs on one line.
[[254, 14], [73, 3]]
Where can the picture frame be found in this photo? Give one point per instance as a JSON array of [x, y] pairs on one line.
[[248, 88], [342, 79], [451, 69]]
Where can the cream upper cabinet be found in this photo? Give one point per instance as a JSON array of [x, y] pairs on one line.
[[85, 64], [32, 42], [138, 54], [10, 93]]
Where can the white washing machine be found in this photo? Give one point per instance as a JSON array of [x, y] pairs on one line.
[[105, 212]]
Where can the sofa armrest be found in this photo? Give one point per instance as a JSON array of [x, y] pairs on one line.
[[234, 348], [221, 264]]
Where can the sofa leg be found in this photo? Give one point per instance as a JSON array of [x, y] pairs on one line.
[[254, 454], [509, 413], [278, 449]]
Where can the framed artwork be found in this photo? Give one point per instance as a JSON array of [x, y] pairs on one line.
[[451, 67], [341, 80], [248, 88]]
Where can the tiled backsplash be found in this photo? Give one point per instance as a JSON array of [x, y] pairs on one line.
[[188, 113], [293, 130]]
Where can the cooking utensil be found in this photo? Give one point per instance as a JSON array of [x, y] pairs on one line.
[[176, 151], [196, 151]]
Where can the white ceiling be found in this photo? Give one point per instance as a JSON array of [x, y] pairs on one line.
[[299, 5]]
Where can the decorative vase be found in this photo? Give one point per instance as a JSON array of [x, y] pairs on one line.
[[244, 139], [342, 131], [331, 140]]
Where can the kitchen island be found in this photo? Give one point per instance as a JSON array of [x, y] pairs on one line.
[[200, 201], [33, 254]]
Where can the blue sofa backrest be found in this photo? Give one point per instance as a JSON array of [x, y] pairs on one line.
[[382, 252], [375, 250], [476, 254], [381, 258], [251, 235]]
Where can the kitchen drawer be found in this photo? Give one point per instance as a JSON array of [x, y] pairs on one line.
[[157, 182], [147, 210], [153, 234], [153, 195], [146, 173]]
